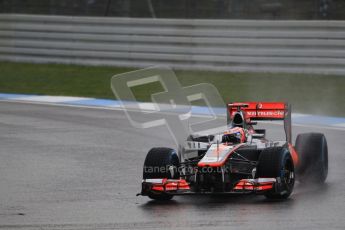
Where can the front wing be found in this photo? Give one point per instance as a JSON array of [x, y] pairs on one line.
[[182, 187]]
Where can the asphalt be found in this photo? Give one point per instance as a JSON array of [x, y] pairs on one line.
[[80, 168]]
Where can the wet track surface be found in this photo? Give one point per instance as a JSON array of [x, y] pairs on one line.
[[80, 168]]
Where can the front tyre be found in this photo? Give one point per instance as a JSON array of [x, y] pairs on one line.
[[161, 163], [276, 162], [160, 196]]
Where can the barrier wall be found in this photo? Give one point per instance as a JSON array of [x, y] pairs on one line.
[[222, 45]]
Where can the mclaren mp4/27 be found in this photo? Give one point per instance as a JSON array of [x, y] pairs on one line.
[[241, 160]]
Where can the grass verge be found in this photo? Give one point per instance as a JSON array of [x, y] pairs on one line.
[[317, 94]]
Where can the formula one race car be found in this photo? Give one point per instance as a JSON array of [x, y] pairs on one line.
[[239, 161]]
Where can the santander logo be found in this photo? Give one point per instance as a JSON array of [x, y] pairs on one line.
[[272, 113]]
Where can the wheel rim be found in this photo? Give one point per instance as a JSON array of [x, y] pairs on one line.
[[288, 177]]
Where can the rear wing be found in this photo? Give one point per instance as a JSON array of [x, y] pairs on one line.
[[263, 111], [260, 110]]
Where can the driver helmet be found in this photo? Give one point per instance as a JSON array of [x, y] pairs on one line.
[[235, 135]]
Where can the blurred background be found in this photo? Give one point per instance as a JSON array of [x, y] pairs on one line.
[[286, 50], [224, 9]]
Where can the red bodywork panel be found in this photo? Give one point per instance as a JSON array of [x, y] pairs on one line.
[[170, 185], [218, 156], [260, 110], [252, 185], [294, 154]]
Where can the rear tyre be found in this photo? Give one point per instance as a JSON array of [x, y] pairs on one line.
[[313, 157], [276, 162], [161, 163]]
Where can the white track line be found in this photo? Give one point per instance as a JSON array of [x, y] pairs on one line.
[[342, 128]]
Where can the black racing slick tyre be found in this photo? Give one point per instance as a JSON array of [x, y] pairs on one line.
[[313, 158], [276, 162], [161, 163]]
